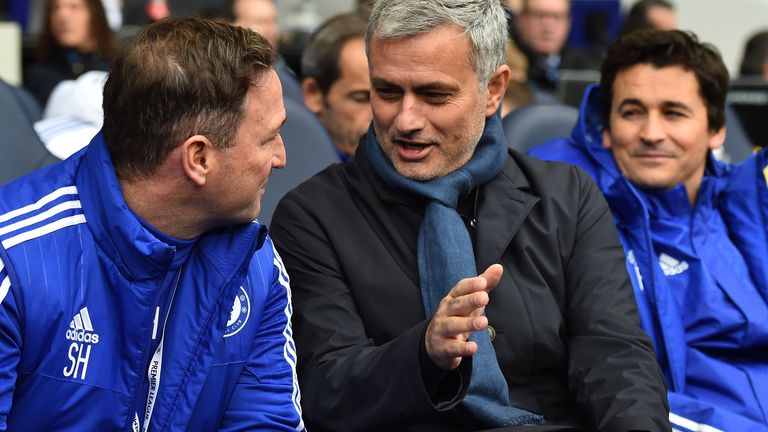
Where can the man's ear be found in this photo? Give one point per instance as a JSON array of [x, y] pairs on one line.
[[606, 139], [313, 96], [197, 158], [497, 86], [716, 139]]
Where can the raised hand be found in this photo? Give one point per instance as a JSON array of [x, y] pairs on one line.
[[459, 314]]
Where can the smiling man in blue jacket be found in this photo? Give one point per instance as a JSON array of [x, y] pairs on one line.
[[137, 292], [694, 229]]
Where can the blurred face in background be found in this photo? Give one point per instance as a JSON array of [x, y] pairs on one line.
[[662, 18], [259, 16], [543, 25], [515, 6], [70, 22], [345, 109]]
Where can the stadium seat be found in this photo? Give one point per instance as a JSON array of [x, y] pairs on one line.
[[531, 125]]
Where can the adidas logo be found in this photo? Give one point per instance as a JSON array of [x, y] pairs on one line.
[[81, 328], [671, 266]]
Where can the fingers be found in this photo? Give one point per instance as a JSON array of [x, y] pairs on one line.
[[446, 340], [453, 327], [459, 314], [464, 305], [484, 282], [455, 349], [492, 275]]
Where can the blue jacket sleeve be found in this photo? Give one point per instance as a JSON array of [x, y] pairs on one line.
[[745, 209], [10, 344], [267, 397], [688, 414]]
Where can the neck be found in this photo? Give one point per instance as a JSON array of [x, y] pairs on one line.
[[163, 206], [692, 186], [693, 192]]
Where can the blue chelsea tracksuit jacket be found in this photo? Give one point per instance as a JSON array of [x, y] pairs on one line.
[[699, 276], [100, 332]]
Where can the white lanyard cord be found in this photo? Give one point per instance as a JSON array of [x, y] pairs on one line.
[[155, 367]]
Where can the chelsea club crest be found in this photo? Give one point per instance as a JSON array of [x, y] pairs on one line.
[[241, 310]]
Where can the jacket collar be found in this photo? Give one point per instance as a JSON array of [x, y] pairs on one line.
[[588, 133], [135, 251], [503, 205]]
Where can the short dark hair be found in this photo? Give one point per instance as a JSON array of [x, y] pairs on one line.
[[177, 78], [321, 56], [663, 48], [637, 18], [755, 55], [99, 30]]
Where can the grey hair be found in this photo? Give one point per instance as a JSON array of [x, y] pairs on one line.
[[483, 21]]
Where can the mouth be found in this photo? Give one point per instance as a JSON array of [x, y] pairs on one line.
[[411, 150], [653, 158]]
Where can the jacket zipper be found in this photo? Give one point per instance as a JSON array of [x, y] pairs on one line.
[[145, 358]]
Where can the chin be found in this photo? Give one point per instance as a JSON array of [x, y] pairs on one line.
[[414, 173]]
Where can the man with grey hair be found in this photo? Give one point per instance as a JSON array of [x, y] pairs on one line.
[[395, 328]]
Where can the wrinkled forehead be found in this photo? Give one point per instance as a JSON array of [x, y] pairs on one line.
[[444, 42]]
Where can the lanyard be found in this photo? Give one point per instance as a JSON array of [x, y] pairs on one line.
[[155, 367]]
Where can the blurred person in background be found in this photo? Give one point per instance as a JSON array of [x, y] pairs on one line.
[[518, 93], [261, 17], [73, 114], [76, 38], [754, 63], [753, 73], [363, 8], [336, 85], [650, 14], [541, 32]]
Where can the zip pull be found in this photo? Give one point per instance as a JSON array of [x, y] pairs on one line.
[[154, 324]]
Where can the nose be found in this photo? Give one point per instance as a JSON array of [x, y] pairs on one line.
[[279, 158], [409, 119], [652, 131]]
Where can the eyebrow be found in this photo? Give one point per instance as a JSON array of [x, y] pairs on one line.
[[277, 129], [677, 105], [379, 82], [630, 101], [666, 104]]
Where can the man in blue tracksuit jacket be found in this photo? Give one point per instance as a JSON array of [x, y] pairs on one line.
[[694, 230], [136, 293]]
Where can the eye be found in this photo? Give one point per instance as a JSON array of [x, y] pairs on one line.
[[436, 97], [387, 93], [272, 139], [674, 114], [630, 113], [361, 97]]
